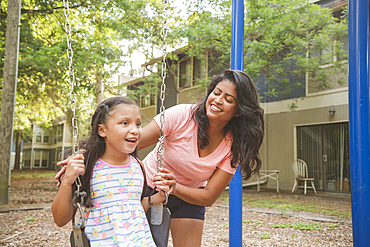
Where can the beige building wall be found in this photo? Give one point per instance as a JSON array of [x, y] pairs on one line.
[[279, 146], [190, 95]]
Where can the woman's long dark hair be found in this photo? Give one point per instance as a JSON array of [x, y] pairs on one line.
[[95, 144], [247, 129]]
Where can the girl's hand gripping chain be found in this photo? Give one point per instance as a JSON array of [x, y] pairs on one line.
[[74, 168], [60, 175]]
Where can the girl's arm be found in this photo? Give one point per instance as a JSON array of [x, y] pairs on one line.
[[206, 196], [62, 208], [166, 181], [155, 199]]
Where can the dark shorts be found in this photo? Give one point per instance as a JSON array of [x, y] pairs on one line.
[[182, 209]]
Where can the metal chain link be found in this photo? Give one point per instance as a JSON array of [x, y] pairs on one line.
[[163, 86], [73, 102]]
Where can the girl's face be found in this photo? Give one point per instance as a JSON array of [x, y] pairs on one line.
[[221, 104], [122, 131]]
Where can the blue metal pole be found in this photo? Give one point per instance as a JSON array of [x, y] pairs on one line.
[[358, 89], [236, 189]]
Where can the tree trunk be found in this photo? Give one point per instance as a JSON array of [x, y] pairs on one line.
[[18, 142], [8, 96]]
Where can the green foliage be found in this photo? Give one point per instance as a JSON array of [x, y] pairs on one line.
[[278, 37], [331, 226], [283, 225], [99, 31], [41, 175], [247, 221], [306, 226], [264, 236], [31, 219], [281, 205]]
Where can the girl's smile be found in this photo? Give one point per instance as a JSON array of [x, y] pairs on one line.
[[122, 132]]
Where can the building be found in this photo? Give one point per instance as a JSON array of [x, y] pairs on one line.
[[42, 150], [46, 147], [315, 129]]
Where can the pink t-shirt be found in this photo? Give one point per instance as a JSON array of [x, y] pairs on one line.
[[181, 150]]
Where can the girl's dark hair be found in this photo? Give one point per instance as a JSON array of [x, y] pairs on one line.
[[95, 144], [247, 129]]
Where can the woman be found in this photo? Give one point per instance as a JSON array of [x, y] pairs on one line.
[[204, 144]]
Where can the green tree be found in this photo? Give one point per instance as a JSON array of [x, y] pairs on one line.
[[281, 38], [98, 31]]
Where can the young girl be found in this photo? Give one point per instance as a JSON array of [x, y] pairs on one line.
[[114, 177]]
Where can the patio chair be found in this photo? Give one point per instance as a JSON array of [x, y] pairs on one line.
[[300, 174]]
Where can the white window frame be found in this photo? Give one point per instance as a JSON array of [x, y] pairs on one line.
[[40, 133], [40, 158], [150, 94], [192, 80]]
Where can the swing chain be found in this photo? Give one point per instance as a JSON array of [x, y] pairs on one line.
[[73, 102], [75, 149], [163, 86]]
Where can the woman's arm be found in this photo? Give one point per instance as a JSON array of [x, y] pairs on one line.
[[207, 196], [150, 135], [62, 208]]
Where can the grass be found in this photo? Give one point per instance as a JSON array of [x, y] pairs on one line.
[[331, 226], [264, 235], [306, 226], [33, 175], [247, 221], [285, 204], [283, 225], [281, 205], [31, 219]]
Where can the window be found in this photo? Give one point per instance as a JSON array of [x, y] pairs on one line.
[[185, 73], [37, 159], [191, 70], [45, 158], [55, 155], [46, 139], [38, 134], [26, 158], [338, 48], [58, 137], [147, 96], [335, 52], [334, 77], [42, 136], [41, 159]]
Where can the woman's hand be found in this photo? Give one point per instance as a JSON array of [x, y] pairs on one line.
[[165, 181]]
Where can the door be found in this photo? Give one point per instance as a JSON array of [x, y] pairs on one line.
[[336, 157], [325, 149]]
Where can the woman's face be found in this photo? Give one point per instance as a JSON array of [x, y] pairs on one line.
[[221, 104]]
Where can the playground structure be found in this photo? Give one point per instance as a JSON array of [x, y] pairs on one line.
[[359, 117], [358, 34]]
